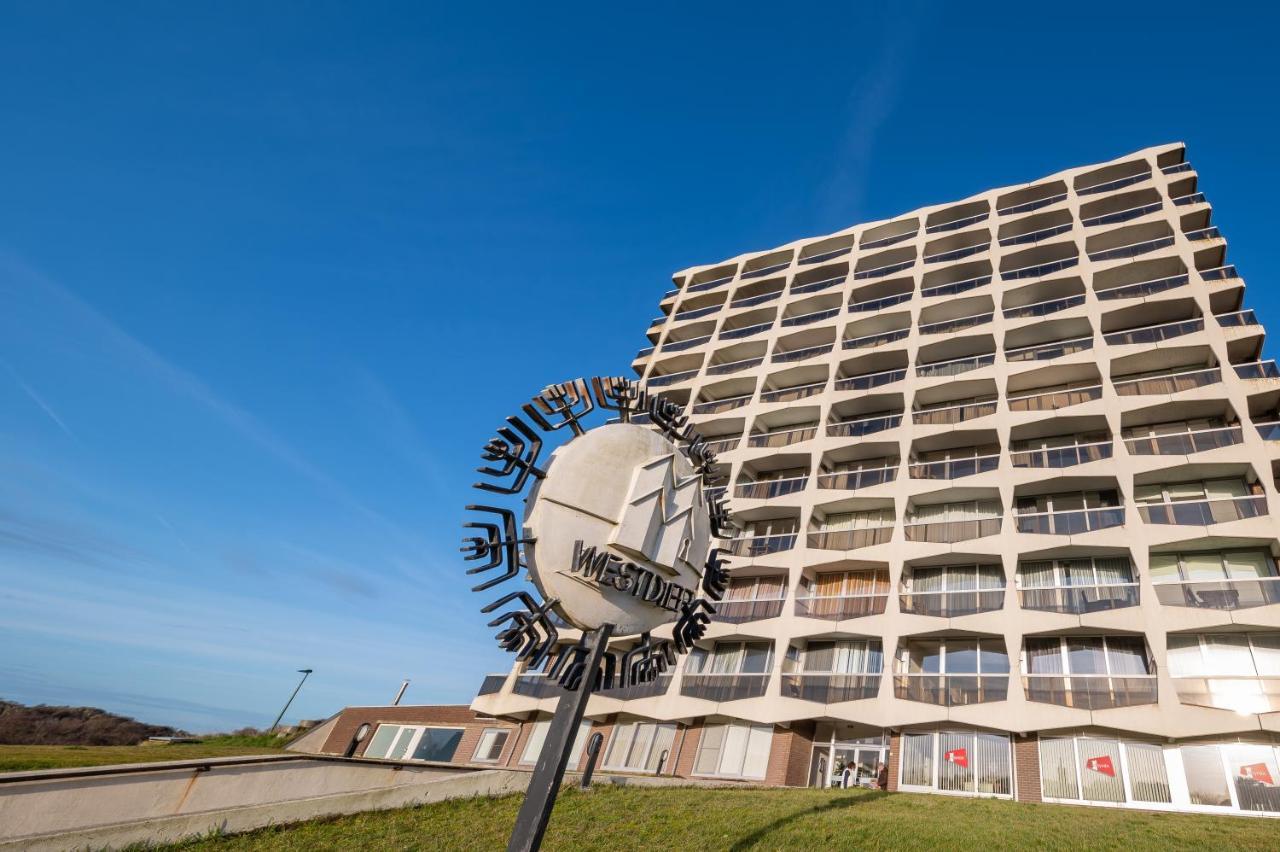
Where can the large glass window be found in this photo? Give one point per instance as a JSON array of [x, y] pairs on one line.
[[640, 746], [854, 656], [1206, 781], [1208, 566], [957, 761], [492, 741], [1104, 771], [414, 742], [734, 751], [731, 658]]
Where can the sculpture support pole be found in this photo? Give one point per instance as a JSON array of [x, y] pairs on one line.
[[535, 812]]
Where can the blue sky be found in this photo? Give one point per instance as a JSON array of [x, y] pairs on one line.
[[271, 273]]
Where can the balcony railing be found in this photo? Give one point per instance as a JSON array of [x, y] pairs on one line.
[[1052, 400], [852, 480], [492, 684], [657, 686], [870, 380], [670, 378], [869, 340], [1154, 333], [801, 354], [849, 539], [1048, 351], [1237, 319], [830, 688], [1240, 694], [537, 686], [724, 445], [1071, 522], [951, 690], [1184, 443], [709, 285], [734, 366], [1028, 206], [952, 531], [1258, 370], [1144, 288], [746, 331], [715, 406], [1035, 236], [1193, 198], [1220, 594], [1121, 215], [724, 687], [814, 316], [771, 488], [1040, 309], [1090, 692], [1210, 233], [956, 324], [766, 270], [750, 301], [1219, 273], [864, 426], [1201, 513], [739, 611], [877, 304], [882, 271], [956, 254], [761, 545], [1057, 457], [1079, 600], [815, 286], [954, 468], [643, 353], [1039, 270], [951, 604], [1268, 430], [1114, 184], [954, 287], [697, 312], [782, 438], [1167, 384], [841, 607], [826, 255], [1176, 168], [681, 345], [888, 241], [956, 224], [955, 366], [792, 394], [954, 413]]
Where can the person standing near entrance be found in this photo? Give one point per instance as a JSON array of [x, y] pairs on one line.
[[846, 776], [882, 777]]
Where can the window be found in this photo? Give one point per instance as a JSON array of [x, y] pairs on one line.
[[1211, 566], [414, 742], [941, 513], [954, 656], [731, 658], [755, 589], [1087, 655], [533, 745], [1073, 501], [1176, 492], [1102, 770], [954, 578], [734, 751], [640, 747], [1088, 571], [868, 520], [957, 762], [492, 741], [1206, 781], [859, 656], [835, 584]]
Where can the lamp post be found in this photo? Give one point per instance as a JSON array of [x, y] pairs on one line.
[[285, 709]]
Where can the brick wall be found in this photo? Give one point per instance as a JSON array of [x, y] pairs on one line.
[[438, 715], [895, 743], [1026, 767], [790, 754], [688, 749]]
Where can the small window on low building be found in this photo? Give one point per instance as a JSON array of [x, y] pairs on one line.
[[492, 741]]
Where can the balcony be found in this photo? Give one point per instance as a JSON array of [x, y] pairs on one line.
[[866, 381], [1201, 513], [740, 611], [1219, 273], [1059, 457], [1110, 185], [761, 545], [1034, 204], [852, 480], [1237, 319], [1219, 594], [715, 406], [841, 607], [883, 271], [951, 604], [957, 224], [652, 689], [1144, 288], [723, 445], [958, 253], [864, 425], [811, 317], [848, 539], [734, 366], [1121, 215], [1154, 333], [948, 532], [758, 299], [954, 468], [1184, 443], [798, 288], [952, 288], [1176, 168], [1243, 695], [953, 325], [889, 234], [1052, 400], [1070, 522], [694, 313], [1211, 233], [670, 378], [825, 688], [681, 345], [1258, 370], [869, 340], [1041, 309], [492, 684], [1090, 692], [1047, 351], [724, 687], [771, 488], [881, 303], [793, 393], [537, 685], [1039, 270], [800, 354], [643, 353], [746, 331], [711, 284], [1167, 383], [782, 437], [955, 366], [824, 256], [1193, 198], [946, 414], [1080, 599], [1035, 236], [951, 690]]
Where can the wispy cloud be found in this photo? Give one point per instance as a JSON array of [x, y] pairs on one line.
[[40, 402]]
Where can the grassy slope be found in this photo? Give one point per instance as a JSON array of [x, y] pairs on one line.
[[674, 820], [16, 758]]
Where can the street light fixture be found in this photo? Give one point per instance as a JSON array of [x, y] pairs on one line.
[[285, 709]]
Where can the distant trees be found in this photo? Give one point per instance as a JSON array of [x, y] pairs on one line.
[[46, 725]]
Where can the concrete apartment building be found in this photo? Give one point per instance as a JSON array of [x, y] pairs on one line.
[[1005, 471]]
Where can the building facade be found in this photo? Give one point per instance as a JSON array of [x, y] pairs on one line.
[[1005, 472]]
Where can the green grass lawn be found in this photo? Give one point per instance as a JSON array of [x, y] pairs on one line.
[[17, 758], [674, 820]]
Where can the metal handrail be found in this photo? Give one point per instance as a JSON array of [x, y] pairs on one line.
[[767, 439], [670, 378], [773, 487], [845, 428], [1210, 233], [1028, 206], [1189, 433], [1144, 288], [707, 285], [953, 287], [1116, 183], [780, 394], [1121, 215], [868, 380], [726, 404], [873, 339], [1049, 523], [734, 366], [1130, 249], [1166, 382], [882, 302], [679, 345], [981, 408], [1048, 306], [760, 299], [1035, 236], [811, 286], [956, 224], [1047, 453], [801, 354], [1037, 270], [1193, 198], [1009, 354], [1258, 370], [765, 270], [1176, 168], [813, 316], [745, 331], [943, 368], [881, 271], [840, 477], [680, 316], [1219, 273], [826, 255], [955, 324], [1178, 327], [888, 241], [1237, 318], [1203, 512], [955, 468], [957, 253], [1070, 393]]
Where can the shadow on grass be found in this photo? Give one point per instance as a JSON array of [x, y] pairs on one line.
[[836, 804]]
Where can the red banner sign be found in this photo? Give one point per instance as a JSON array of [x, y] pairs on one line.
[[958, 756], [1101, 764], [1258, 772]]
